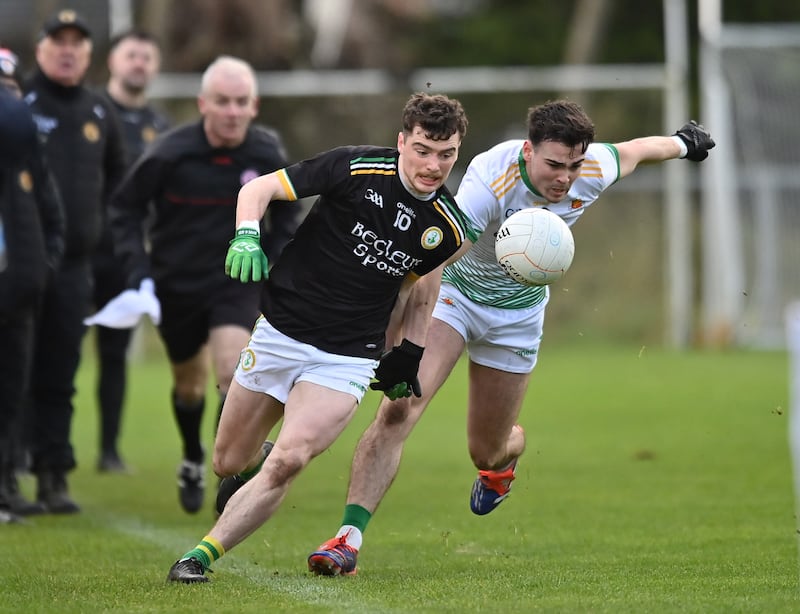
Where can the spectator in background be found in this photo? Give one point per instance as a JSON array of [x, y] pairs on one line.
[[192, 175], [31, 246], [83, 146], [133, 61]]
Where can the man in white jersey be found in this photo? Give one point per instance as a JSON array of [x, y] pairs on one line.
[[497, 320]]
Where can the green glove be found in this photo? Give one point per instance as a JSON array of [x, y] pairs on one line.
[[246, 260], [398, 391]]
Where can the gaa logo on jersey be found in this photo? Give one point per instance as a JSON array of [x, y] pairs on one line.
[[432, 237]]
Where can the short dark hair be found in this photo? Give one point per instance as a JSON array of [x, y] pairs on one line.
[[439, 116], [560, 121], [138, 34]]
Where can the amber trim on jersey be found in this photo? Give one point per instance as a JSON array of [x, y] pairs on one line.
[[506, 181], [460, 224], [373, 166], [287, 184]]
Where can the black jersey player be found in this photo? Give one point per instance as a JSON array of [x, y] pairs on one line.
[[383, 219]]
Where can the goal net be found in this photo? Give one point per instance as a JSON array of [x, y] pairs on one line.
[[761, 70]]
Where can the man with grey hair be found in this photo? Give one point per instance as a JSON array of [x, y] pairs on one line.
[[191, 177]]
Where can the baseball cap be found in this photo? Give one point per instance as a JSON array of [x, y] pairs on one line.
[[9, 64], [65, 18]]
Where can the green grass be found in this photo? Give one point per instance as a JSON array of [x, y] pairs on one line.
[[653, 482]]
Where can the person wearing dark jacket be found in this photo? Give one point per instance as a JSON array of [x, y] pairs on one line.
[[84, 148], [192, 175], [31, 246], [133, 62]]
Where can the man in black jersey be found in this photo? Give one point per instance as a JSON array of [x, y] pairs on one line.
[[383, 219], [133, 59], [84, 149], [185, 186]]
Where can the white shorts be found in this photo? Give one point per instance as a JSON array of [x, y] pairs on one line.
[[503, 339], [273, 363]]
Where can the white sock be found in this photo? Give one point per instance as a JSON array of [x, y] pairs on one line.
[[352, 536]]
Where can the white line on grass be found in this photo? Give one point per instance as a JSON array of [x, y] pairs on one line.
[[306, 590]]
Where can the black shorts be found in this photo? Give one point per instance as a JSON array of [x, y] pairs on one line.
[[186, 319]]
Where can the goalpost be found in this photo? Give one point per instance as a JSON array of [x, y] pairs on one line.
[[751, 202]]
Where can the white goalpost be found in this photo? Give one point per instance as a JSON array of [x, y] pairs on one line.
[[751, 199]]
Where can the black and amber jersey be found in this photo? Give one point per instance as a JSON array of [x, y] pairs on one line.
[[336, 282]]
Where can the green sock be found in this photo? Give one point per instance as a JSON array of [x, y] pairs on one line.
[[249, 473], [207, 551], [356, 516]]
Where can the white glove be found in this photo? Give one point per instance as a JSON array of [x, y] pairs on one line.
[[150, 302], [127, 308]]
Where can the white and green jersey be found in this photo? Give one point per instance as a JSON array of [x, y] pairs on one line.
[[495, 186]]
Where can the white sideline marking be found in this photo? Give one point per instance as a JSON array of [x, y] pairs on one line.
[[308, 590]]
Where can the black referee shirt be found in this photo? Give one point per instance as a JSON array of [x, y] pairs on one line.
[[193, 187]]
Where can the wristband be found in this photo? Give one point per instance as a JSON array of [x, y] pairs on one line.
[[248, 228], [682, 145]]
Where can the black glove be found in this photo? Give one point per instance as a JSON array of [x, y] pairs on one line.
[[697, 139], [397, 371]]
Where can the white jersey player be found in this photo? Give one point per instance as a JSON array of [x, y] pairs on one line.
[[481, 309], [495, 186]]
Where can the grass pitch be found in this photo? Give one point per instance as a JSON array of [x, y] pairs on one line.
[[653, 482]]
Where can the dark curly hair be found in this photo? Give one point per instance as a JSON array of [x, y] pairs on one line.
[[439, 116]]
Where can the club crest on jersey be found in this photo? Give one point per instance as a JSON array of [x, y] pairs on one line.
[[247, 359], [149, 134], [91, 132], [432, 237], [25, 181]]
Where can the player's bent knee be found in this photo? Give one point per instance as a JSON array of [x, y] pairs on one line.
[[284, 469], [228, 461]]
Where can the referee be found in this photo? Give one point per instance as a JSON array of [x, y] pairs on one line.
[[192, 175]]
